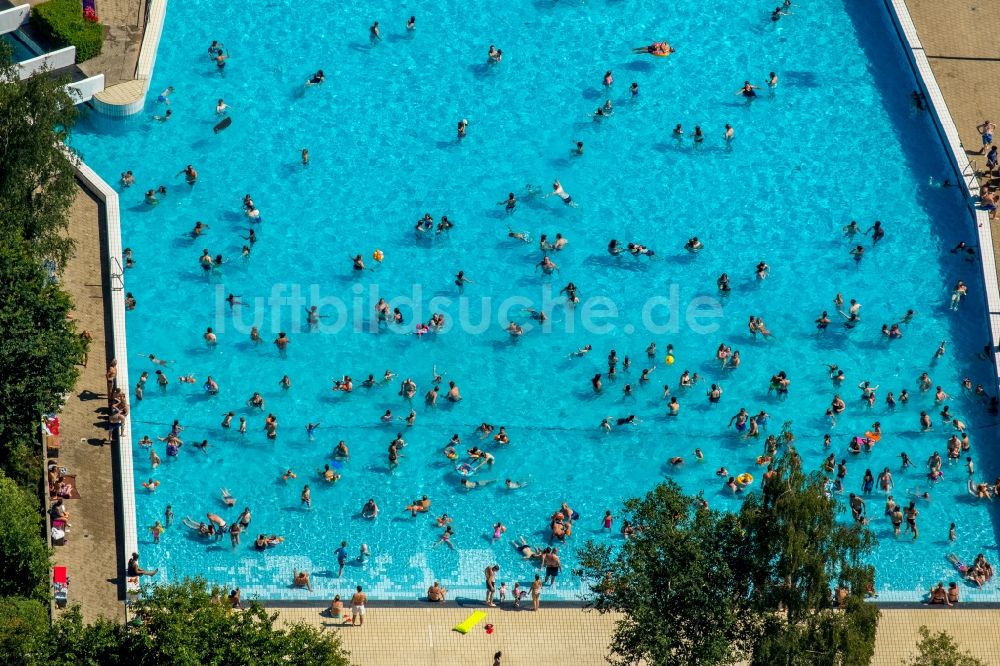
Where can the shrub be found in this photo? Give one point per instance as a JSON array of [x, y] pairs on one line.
[[63, 22], [24, 554]]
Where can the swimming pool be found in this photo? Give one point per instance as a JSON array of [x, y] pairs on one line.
[[21, 52], [836, 140]]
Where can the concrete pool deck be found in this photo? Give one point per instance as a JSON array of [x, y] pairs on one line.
[[956, 37], [423, 636], [123, 22], [91, 549]]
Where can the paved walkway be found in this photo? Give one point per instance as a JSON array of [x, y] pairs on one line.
[[976, 631], [91, 549], [423, 636]]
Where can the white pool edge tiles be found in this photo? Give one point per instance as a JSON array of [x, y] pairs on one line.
[[112, 213], [132, 101], [964, 172]]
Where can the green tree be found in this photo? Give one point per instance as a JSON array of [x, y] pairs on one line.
[[39, 347], [940, 649], [39, 351], [24, 554], [24, 628], [186, 624], [796, 549], [36, 176], [700, 587], [189, 623], [73, 643], [682, 601]]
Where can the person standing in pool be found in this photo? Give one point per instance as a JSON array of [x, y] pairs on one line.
[[911, 519], [190, 175], [878, 233], [411, 23], [374, 34], [461, 281], [748, 90], [510, 203]]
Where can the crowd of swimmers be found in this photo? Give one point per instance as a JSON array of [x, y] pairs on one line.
[[472, 468]]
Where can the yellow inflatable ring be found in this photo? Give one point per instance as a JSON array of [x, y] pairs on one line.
[[744, 479]]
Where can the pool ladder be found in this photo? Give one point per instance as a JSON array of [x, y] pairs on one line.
[[117, 275]]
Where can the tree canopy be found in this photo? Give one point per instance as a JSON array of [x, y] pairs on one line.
[[36, 176], [39, 347], [674, 580], [24, 629], [39, 351], [940, 649], [24, 554], [189, 623], [698, 586]]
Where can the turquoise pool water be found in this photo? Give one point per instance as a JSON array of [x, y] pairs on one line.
[[20, 51], [838, 139]]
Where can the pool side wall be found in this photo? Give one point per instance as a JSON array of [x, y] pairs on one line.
[[129, 540]]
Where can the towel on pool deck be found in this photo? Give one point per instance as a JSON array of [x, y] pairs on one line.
[[466, 625], [73, 492]]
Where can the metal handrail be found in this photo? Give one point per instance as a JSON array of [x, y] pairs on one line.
[[117, 274]]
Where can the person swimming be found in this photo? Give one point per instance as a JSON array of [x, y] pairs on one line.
[[557, 190], [656, 49]]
